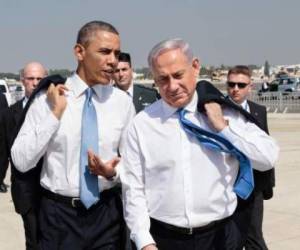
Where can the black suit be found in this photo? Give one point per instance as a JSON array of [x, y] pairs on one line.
[[143, 96], [3, 102], [25, 186], [264, 183], [3, 160]]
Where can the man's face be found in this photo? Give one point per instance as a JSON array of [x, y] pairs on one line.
[[31, 77], [123, 75], [98, 59], [175, 77], [238, 93]]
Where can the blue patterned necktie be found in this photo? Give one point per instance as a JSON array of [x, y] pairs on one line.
[[89, 190], [244, 183]]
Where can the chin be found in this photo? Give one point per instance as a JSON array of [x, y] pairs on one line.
[[179, 103]]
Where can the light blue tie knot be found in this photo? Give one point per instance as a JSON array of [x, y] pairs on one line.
[[88, 95], [89, 189]]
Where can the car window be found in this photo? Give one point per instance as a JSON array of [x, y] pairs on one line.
[[291, 81]]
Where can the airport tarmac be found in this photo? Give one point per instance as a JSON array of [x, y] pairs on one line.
[[282, 213]]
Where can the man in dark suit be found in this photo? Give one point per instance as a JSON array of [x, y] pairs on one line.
[[123, 76], [3, 164], [238, 88], [25, 187]]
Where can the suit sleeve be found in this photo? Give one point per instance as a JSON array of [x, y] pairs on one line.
[[3, 143]]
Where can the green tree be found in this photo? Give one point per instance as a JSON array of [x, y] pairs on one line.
[[63, 72], [267, 69]]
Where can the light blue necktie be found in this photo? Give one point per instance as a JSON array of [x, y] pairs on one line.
[[244, 183], [89, 190]]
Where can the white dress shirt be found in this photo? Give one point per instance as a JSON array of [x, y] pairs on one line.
[[129, 91], [169, 176], [245, 105], [59, 141]]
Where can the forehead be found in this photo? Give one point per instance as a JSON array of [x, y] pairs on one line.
[[239, 78], [170, 61], [122, 65], [105, 39], [34, 70]]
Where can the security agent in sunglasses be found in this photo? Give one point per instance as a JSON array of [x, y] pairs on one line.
[[238, 88]]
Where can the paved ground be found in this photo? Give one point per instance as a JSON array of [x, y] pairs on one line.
[[282, 213]]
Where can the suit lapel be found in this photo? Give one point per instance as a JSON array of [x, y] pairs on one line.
[[253, 111]]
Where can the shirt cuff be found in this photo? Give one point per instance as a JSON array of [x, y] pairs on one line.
[[143, 239]]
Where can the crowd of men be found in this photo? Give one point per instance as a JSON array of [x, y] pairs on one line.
[[97, 165]]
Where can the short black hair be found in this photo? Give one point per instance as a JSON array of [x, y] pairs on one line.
[[240, 69], [87, 31], [125, 57]]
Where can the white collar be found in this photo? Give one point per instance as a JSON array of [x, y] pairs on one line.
[[168, 110], [130, 90], [78, 86]]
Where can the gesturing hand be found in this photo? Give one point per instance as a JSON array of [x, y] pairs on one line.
[[98, 167]]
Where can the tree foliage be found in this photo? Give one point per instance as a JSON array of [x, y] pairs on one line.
[[10, 76], [63, 72], [267, 69]]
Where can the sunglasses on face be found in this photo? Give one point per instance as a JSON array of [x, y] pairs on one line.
[[241, 85]]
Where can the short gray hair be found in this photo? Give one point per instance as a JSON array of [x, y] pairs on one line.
[[170, 44]]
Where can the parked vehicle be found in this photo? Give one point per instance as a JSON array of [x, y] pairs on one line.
[[4, 89], [289, 84]]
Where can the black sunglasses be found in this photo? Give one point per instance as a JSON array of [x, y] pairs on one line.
[[241, 85]]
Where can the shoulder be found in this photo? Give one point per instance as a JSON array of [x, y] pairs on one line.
[[119, 94], [256, 106], [142, 88], [150, 112]]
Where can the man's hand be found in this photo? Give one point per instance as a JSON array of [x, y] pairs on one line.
[[150, 247], [57, 99], [98, 167], [215, 116]]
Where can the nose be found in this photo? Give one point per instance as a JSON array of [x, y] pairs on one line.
[[122, 73], [173, 84], [35, 82], [236, 87], [112, 59]]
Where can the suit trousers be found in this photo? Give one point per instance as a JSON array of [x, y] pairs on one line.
[[3, 170], [99, 228], [224, 236], [30, 221], [255, 239]]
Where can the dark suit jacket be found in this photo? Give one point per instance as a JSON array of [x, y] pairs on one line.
[[25, 186], [3, 160], [3, 102], [264, 181], [143, 96]]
